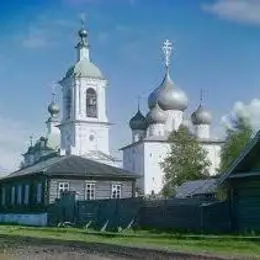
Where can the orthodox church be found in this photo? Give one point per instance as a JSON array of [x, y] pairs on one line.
[[83, 128], [167, 104]]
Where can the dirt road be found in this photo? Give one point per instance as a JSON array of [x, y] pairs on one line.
[[21, 248]]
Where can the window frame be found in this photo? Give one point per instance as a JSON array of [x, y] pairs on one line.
[[91, 93], [92, 193], [62, 189], [114, 188]]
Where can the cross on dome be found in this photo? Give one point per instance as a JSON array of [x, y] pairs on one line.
[[167, 50]]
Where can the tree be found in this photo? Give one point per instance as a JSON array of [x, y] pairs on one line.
[[186, 161], [238, 136]]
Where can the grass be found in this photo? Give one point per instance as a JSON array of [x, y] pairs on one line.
[[225, 245]]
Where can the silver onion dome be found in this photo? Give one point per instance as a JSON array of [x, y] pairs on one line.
[[170, 97], [83, 33], [138, 121], [201, 116], [156, 115], [54, 109]]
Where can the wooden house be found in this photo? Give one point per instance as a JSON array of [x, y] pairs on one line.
[[26, 194], [242, 183]]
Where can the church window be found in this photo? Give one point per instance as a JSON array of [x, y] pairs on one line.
[[19, 194], [39, 193], [116, 191], [26, 194], [13, 195], [63, 187], [91, 138], [3, 196], [90, 191], [91, 103], [68, 104]]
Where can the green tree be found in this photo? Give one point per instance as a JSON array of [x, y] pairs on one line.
[[237, 137], [186, 161]]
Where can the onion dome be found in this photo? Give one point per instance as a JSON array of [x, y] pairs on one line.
[[54, 109], [156, 115], [83, 33], [167, 95], [201, 116], [138, 121], [170, 97]]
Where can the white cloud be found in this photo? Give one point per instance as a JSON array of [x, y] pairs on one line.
[[250, 110], [242, 11], [14, 137]]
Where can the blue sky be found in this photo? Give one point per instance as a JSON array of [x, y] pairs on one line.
[[217, 50]]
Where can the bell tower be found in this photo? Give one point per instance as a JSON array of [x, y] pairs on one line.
[[84, 126]]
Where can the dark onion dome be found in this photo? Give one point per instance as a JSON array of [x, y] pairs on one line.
[[54, 109], [168, 96], [156, 115], [138, 121], [201, 116]]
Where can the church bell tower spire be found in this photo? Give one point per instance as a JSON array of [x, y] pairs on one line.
[[83, 46]]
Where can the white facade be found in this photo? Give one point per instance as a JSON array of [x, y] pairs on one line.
[[144, 156], [84, 126]]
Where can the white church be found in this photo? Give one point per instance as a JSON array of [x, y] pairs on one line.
[[83, 129]]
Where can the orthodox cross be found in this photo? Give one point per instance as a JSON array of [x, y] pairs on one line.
[[167, 50], [31, 140], [53, 91], [82, 19], [138, 102], [202, 95]]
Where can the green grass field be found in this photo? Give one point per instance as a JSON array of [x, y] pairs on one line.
[[225, 245]]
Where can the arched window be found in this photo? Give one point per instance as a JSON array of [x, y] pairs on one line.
[[68, 104], [91, 103]]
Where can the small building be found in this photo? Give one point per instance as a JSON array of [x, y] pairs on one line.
[[242, 183], [199, 189], [26, 194]]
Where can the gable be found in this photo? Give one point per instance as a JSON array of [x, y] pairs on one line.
[[247, 161]]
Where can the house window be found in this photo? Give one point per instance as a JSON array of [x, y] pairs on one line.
[[91, 103], [63, 186], [19, 194], [3, 197], [90, 191], [13, 195], [26, 194], [116, 191], [39, 193]]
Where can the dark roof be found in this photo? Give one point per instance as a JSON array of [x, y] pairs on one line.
[[72, 165], [198, 187], [245, 161]]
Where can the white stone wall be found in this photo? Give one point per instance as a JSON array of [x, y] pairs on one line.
[[133, 160], [213, 153], [154, 154], [174, 120], [202, 131], [144, 159], [79, 133]]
